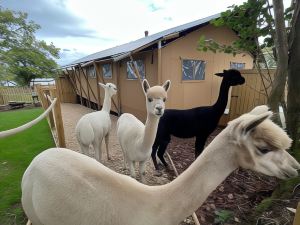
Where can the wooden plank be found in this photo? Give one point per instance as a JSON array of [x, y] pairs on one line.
[[136, 69], [74, 85], [87, 85], [159, 63], [118, 86], [119, 89], [80, 85], [97, 84], [58, 119]]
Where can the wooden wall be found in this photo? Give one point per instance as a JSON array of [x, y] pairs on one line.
[[183, 94], [132, 96], [65, 90], [244, 98], [189, 94]]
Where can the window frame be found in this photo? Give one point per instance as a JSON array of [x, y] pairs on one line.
[[88, 69], [192, 81], [231, 62], [111, 69], [144, 67]]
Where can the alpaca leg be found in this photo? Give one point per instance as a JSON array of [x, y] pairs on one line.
[[84, 149], [153, 155], [199, 145], [132, 168], [97, 148], [142, 166], [125, 158], [106, 145], [161, 151]]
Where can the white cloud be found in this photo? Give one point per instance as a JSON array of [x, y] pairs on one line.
[[88, 26]]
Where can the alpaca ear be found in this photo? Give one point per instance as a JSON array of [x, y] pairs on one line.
[[259, 110], [102, 85], [220, 74], [255, 121], [145, 86], [167, 85]]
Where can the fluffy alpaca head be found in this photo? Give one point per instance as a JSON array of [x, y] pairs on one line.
[[109, 88], [232, 77], [261, 144], [156, 97]]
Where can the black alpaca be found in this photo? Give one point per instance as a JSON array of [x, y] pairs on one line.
[[199, 122]]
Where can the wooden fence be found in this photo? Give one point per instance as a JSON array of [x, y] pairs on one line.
[[254, 92], [46, 95], [18, 94], [66, 91]]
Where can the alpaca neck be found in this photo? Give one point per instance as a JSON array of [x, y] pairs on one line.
[[221, 103], [106, 103], [193, 186], [150, 131]]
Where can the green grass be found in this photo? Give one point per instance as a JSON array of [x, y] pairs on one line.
[[16, 153]]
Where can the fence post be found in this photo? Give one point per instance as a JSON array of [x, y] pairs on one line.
[[50, 116], [58, 119]]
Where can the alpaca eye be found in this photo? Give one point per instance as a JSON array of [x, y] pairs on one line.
[[150, 99], [164, 99], [264, 150]]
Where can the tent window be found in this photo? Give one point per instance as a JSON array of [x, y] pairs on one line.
[[131, 71], [236, 65], [107, 71], [90, 71], [193, 69]]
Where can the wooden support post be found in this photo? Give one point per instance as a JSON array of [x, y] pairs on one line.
[[119, 89], [80, 86], [47, 104], [88, 83], [103, 81], [87, 86], [98, 89], [58, 119], [159, 66], [40, 95], [71, 81], [136, 69]]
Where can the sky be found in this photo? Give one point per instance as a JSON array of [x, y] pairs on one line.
[[83, 27]]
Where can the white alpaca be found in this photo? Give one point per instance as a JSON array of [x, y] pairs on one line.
[[93, 127], [135, 138], [63, 187]]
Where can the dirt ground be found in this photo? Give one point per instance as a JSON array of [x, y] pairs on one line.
[[239, 194], [71, 113]]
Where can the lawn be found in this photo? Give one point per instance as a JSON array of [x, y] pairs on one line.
[[16, 152]]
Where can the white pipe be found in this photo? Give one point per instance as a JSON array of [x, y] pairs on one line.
[[13, 131]]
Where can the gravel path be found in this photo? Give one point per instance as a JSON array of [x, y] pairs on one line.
[[71, 113]]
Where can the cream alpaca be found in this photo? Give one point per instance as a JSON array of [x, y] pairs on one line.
[[61, 186], [135, 138], [93, 127]]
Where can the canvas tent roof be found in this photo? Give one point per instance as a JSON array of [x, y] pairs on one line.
[[124, 50]]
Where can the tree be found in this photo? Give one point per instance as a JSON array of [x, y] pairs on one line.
[[254, 21], [293, 98], [20, 52]]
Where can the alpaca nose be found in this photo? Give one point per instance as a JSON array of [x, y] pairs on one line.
[[159, 108]]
